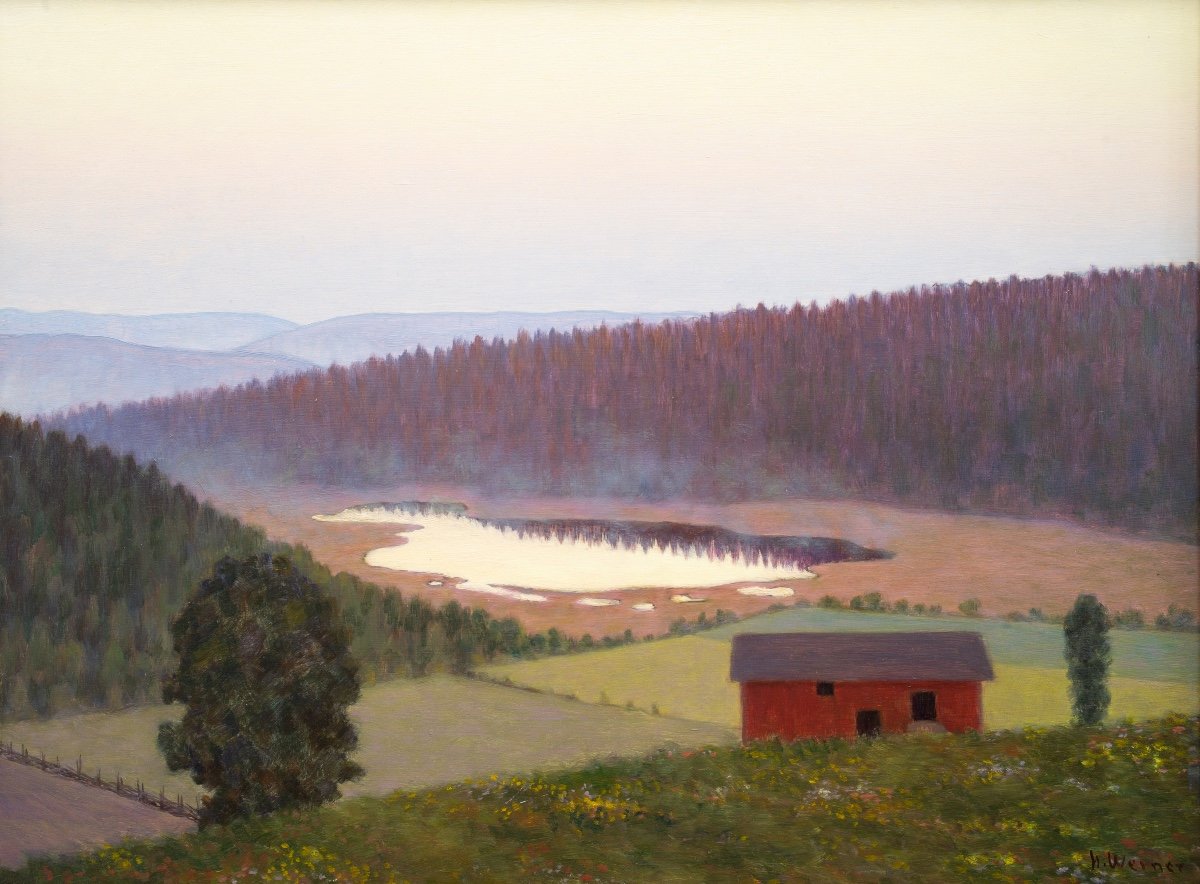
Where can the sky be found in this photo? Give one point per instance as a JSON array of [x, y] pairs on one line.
[[314, 159]]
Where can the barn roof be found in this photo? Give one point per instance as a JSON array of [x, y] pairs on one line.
[[860, 656]]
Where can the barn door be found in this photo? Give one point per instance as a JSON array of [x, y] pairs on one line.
[[868, 723], [924, 706]]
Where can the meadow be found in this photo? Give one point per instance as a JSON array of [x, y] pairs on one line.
[[413, 733], [1039, 804], [1152, 673]]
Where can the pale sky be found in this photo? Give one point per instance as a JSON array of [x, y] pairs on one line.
[[312, 159]]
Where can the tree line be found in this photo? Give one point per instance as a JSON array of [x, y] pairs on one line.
[[1071, 395], [99, 553]]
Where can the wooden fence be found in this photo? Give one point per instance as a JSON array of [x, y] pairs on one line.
[[136, 792]]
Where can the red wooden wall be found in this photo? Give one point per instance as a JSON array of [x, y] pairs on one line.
[[793, 710]]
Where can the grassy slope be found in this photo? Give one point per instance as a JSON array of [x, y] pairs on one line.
[[43, 813], [412, 733], [998, 807], [1152, 673]]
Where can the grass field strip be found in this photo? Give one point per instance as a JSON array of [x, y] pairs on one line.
[[1153, 672], [118, 786]]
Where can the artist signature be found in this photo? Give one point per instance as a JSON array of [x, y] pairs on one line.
[[1112, 860]]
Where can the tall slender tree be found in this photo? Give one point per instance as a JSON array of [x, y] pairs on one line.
[[1088, 654]]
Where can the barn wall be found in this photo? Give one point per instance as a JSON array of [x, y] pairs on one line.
[[792, 710]]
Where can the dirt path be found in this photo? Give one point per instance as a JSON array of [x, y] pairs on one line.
[[46, 814]]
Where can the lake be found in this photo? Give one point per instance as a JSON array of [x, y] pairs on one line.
[[520, 558]]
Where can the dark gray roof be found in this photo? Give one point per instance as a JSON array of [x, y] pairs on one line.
[[860, 656]]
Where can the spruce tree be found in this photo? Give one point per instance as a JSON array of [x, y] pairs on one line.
[[1088, 654], [266, 673]]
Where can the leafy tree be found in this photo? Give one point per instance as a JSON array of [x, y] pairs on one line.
[[267, 676], [455, 621], [1088, 654]]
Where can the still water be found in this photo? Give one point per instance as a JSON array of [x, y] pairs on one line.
[[575, 556]]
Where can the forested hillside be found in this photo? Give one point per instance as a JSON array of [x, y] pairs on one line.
[[98, 553], [1069, 394]]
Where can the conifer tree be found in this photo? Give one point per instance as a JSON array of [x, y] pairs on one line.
[[1088, 654]]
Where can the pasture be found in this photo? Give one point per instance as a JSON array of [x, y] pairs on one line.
[[412, 734], [688, 677]]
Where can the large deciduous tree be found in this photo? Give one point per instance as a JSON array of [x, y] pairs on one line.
[[1088, 655], [266, 673]]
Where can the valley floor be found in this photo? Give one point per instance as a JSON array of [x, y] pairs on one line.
[[412, 734], [1009, 564]]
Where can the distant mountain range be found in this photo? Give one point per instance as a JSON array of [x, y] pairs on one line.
[[46, 373], [57, 360], [188, 331], [350, 339]]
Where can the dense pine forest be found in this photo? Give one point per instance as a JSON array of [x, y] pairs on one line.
[[1070, 394], [97, 554]]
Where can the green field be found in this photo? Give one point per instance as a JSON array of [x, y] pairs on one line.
[[413, 733], [1153, 672], [1008, 806]]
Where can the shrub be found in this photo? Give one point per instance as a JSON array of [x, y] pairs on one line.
[[1176, 619], [970, 608], [872, 601], [1130, 618]]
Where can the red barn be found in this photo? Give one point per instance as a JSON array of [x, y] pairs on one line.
[[844, 684]]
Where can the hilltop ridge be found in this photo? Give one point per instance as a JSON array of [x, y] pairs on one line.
[[1065, 395]]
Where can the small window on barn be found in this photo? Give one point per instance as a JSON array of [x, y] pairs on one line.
[[824, 689]]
